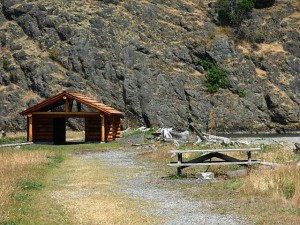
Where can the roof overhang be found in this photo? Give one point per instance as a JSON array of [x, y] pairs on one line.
[[62, 97]]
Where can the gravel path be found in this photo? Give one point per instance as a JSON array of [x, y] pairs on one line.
[[143, 185]]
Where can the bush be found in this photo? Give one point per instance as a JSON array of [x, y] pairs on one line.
[[53, 54], [206, 64], [216, 77], [5, 65], [234, 11]]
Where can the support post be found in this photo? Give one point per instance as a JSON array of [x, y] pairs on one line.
[[30, 138], [249, 157], [179, 164], [102, 128]]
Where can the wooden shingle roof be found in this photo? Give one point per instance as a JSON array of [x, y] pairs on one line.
[[60, 98]]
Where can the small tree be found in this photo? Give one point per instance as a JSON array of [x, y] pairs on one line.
[[234, 11], [216, 77]]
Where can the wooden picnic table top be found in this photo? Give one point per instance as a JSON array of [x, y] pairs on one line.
[[187, 164], [214, 150]]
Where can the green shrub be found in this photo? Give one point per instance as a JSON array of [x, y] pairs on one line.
[[53, 54], [242, 94], [260, 36], [234, 11], [5, 65], [216, 77], [206, 64]]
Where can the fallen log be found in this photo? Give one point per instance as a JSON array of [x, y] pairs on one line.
[[182, 135], [199, 134]]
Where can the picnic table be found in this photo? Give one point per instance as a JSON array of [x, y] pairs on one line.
[[208, 154]]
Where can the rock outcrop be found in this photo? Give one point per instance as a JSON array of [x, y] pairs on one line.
[[141, 57]]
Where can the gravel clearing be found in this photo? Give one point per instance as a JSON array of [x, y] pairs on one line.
[[140, 183]]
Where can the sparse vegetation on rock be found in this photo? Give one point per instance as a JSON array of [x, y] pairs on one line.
[[5, 65], [234, 11], [216, 77], [141, 57]]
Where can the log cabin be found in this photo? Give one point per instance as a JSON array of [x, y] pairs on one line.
[[46, 121]]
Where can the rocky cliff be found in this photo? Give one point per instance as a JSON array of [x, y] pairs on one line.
[[141, 57]]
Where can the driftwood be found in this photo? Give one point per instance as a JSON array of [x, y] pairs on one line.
[[271, 164], [215, 139], [182, 135], [199, 134], [143, 129], [211, 139], [297, 148]]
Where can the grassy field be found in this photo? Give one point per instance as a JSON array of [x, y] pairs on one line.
[[48, 184], [25, 171], [32, 176]]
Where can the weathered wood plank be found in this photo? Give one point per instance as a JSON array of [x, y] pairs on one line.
[[243, 162], [214, 150]]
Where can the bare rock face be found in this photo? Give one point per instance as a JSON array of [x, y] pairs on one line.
[[142, 58]]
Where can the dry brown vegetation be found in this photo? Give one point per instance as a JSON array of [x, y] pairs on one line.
[[15, 166]]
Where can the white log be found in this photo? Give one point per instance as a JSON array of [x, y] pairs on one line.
[[182, 135]]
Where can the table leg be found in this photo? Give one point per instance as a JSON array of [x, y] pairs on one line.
[[249, 157], [179, 163]]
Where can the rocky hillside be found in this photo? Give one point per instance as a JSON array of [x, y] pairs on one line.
[[141, 57]]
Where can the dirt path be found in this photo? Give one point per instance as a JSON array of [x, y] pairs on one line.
[[114, 188]]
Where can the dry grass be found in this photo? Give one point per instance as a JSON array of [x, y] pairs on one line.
[[75, 135], [89, 194], [15, 166], [18, 134], [282, 183]]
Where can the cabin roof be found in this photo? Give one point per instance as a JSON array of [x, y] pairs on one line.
[[58, 99]]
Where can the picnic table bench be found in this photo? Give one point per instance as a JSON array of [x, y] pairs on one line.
[[206, 158]]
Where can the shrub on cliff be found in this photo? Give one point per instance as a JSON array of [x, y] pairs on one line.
[[234, 11], [216, 77]]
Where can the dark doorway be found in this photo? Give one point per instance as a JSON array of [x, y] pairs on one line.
[[59, 131]]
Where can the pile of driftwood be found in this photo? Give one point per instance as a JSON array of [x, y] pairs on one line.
[[180, 138]]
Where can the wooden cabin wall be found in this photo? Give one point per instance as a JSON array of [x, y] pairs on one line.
[[93, 129], [42, 129], [117, 127], [112, 128], [109, 128]]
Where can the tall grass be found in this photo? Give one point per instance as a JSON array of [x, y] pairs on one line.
[[15, 166], [283, 183]]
